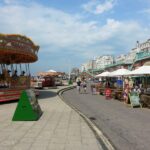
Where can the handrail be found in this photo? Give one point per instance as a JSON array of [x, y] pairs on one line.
[[142, 55]]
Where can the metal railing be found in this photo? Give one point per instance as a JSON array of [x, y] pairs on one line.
[[115, 64], [142, 55]]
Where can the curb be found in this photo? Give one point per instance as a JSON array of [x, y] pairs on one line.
[[104, 141]]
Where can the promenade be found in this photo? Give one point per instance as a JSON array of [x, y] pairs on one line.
[[59, 128]]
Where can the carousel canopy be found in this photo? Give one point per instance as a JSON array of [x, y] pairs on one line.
[[17, 48], [120, 72], [144, 70], [104, 74]]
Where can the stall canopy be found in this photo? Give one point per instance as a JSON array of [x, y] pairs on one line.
[[51, 70], [104, 74], [120, 72], [144, 70]]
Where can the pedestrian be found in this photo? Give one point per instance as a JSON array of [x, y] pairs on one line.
[[126, 95], [107, 93], [79, 85], [84, 86], [93, 89], [137, 90]]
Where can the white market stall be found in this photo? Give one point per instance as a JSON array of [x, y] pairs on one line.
[[120, 72], [51, 70], [144, 70], [104, 74]]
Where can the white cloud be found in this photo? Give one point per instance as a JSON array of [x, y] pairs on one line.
[[96, 7], [55, 30], [147, 11], [10, 1]]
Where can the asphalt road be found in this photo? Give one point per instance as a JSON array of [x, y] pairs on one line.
[[127, 128]]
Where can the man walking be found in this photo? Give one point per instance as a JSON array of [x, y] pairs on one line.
[[78, 85]]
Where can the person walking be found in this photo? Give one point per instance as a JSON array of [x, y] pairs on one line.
[[84, 86], [78, 85]]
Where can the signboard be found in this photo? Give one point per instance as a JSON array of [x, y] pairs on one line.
[[134, 99], [28, 108]]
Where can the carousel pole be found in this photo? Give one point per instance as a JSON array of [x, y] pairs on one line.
[[29, 69], [20, 68], [16, 66], [12, 69], [26, 68], [29, 75], [1, 69], [7, 67]]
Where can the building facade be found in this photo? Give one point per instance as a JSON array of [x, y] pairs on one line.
[[90, 65], [137, 57], [143, 54], [103, 61]]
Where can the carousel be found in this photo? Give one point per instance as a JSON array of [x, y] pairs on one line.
[[16, 52]]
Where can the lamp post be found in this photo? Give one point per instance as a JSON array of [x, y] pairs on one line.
[[69, 72]]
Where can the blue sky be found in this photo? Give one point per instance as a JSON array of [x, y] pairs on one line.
[[71, 32]]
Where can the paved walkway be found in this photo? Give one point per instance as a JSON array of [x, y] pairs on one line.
[[59, 128]]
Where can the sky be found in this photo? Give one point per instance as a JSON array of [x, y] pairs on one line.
[[71, 32]]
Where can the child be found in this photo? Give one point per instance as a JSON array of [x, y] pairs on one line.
[[107, 93], [84, 86], [126, 95], [93, 89]]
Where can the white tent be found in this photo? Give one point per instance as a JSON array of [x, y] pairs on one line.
[[120, 72], [144, 70], [104, 74], [51, 71]]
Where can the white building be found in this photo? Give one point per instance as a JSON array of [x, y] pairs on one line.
[[103, 61], [84, 67], [145, 46], [141, 47], [130, 57], [120, 58], [91, 64]]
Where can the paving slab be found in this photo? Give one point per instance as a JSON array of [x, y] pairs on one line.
[[59, 128]]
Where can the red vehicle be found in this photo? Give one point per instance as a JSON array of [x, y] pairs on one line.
[[15, 50], [45, 81], [48, 81]]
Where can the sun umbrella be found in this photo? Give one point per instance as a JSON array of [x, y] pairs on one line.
[[104, 74], [120, 72], [144, 70]]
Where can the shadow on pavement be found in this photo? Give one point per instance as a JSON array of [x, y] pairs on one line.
[[46, 94], [8, 102]]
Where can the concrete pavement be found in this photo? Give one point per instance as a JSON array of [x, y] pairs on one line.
[[59, 128]]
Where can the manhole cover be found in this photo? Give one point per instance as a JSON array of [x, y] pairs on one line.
[[92, 118]]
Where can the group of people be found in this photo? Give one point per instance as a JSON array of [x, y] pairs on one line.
[[7, 77], [129, 88], [81, 86]]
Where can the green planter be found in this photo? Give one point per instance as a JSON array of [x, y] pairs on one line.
[[70, 82]]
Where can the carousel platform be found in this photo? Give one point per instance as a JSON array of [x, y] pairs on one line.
[[7, 95]]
